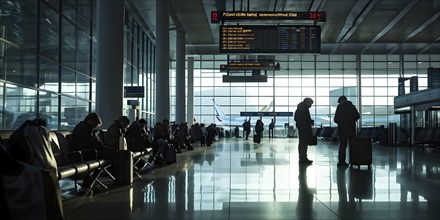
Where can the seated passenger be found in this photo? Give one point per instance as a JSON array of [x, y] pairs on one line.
[[84, 136], [161, 137], [115, 131], [182, 136], [136, 135], [195, 132]]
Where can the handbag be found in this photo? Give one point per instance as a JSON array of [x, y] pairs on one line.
[[313, 141]]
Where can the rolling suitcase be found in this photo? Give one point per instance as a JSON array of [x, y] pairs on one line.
[[123, 167], [257, 138], [360, 152]]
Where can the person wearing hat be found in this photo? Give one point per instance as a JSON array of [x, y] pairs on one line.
[[304, 124], [346, 116]]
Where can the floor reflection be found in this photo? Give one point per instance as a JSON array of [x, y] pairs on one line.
[[304, 208], [237, 179]]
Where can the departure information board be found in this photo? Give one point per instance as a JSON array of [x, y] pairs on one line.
[[270, 39], [222, 16]]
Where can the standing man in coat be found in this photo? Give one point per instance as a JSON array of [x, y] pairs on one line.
[[246, 129], [304, 124], [271, 127], [346, 116]]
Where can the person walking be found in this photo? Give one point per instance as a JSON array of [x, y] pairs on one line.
[[304, 124], [346, 116]]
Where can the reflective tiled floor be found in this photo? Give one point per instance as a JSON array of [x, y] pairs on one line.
[[236, 179]]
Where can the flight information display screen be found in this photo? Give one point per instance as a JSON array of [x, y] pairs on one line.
[[222, 16], [270, 39]]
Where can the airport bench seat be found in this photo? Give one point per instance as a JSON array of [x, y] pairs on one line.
[[76, 164]]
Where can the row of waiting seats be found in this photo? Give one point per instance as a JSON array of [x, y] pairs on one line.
[[77, 165], [424, 136], [326, 133], [331, 133]]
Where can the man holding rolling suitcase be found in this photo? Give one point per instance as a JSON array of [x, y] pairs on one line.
[[346, 116]]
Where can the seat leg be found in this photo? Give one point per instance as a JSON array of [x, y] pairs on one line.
[[76, 185], [108, 173], [95, 179], [146, 163]]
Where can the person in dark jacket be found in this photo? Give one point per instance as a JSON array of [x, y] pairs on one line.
[[162, 138], [136, 136], [182, 136], [115, 131], [271, 127], [259, 127], [246, 129], [84, 136], [195, 132], [346, 116], [304, 124]]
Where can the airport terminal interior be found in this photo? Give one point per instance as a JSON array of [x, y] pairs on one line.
[[223, 62]]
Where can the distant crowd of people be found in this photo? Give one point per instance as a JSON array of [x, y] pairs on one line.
[[86, 135], [161, 137]]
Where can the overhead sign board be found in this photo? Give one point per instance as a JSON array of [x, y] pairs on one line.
[[134, 92], [270, 39], [222, 16], [266, 113], [251, 64]]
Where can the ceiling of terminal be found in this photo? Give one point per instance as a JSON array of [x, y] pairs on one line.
[[351, 26]]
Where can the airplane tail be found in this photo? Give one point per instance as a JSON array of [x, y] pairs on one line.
[[219, 112], [267, 108]]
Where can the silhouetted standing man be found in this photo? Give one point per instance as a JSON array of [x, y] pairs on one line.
[[247, 129], [304, 124], [271, 127], [346, 116]]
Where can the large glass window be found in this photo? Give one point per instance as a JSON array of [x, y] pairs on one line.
[[21, 66], [83, 53], [68, 43], [139, 69], [48, 110], [73, 111], [21, 104], [20, 23], [33, 70], [49, 75], [65, 61], [322, 77], [49, 32]]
